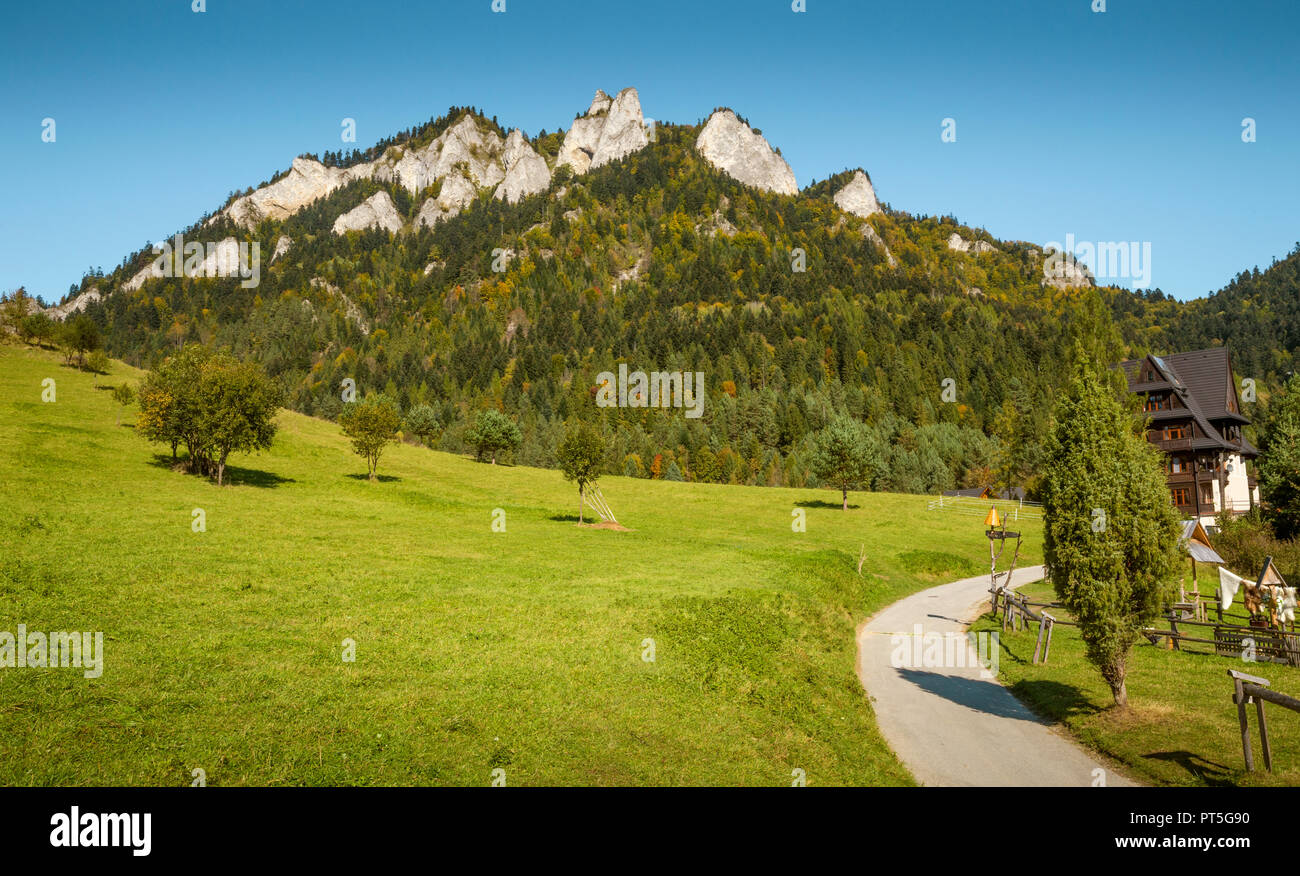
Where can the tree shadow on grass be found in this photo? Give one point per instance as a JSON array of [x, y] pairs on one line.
[[1054, 700], [1210, 772], [234, 475], [569, 518], [819, 503], [252, 477], [382, 478], [165, 461]]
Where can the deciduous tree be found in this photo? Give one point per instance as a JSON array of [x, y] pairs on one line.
[[372, 424], [580, 456]]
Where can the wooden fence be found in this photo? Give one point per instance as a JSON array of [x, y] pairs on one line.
[[1228, 639], [1251, 688], [1018, 612]]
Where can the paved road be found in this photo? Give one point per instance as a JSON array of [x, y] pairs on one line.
[[957, 726]]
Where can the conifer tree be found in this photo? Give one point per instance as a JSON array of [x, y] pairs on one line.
[[1110, 530]]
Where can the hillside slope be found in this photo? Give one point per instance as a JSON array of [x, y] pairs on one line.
[[623, 248], [475, 649]]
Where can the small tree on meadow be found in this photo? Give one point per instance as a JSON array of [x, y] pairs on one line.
[[372, 424], [237, 408], [1279, 464], [580, 456], [123, 394], [170, 405], [97, 363], [1110, 530], [492, 433], [843, 456], [212, 403], [422, 422], [80, 335]]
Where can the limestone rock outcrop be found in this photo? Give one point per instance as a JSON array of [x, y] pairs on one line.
[[736, 149], [872, 235], [611, 129], [457, 193], [76, 305], [226, 258], [858, 196], [525, 171], [308, 180], [467, 148], [1062, 270], [350, 308], [465, 143], [957, 243], [376, 211]]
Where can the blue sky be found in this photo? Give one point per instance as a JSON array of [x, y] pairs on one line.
[[1116, 126]]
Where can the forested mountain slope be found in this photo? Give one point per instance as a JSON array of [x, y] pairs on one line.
[[469, 278]]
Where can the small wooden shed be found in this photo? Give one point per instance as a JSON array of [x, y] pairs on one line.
[[1196, 541]]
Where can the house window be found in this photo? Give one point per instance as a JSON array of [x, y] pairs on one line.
[[1177, 465], [1157, 403], [1179, 495], [1174, 432], [1207, 495]]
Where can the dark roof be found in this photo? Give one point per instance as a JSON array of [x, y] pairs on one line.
[[1202, 380]]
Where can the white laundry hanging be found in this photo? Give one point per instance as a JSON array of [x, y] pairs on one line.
[[1287, 603], [1229, 584]]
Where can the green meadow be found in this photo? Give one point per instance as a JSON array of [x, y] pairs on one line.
[[527, 651], [1181, 725]]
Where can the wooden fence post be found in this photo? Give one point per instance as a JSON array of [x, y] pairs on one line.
[[1241, 695], [1263, 735]]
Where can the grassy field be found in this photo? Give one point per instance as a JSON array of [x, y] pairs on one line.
[[1181, 727], [475, 650]]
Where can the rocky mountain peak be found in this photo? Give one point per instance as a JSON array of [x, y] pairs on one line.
[[600, 103], [743, 154], [306, 181], [858, 197], [465, 141], [610, 130], [526, 172]]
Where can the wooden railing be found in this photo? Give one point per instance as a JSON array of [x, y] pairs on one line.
[[1019, 613], [1251, 688]]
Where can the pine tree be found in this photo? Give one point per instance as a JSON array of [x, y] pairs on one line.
[[843, 456]]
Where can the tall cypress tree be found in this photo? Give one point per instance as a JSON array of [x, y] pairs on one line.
[[1111, 531]]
